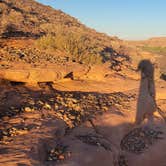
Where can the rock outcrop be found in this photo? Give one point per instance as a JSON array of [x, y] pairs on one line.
[[50, 73]]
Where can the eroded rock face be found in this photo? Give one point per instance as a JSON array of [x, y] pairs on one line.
[[47, 73], [31, 76]]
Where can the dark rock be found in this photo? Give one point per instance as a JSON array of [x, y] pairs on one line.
[[163, 77]]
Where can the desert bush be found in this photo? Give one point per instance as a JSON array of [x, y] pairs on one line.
[[75, 45], [46, 42]]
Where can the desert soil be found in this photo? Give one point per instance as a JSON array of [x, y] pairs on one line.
[[79, 123]]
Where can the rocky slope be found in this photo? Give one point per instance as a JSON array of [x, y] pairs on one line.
[[90, 123], [31, 20], [26, 18], [59, 109]]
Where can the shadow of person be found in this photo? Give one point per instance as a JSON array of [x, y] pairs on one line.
[[146, 104]]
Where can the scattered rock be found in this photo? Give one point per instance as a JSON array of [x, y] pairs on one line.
[[122, 161], [95, 140], [139, 139], [13, 131], [58, 153]]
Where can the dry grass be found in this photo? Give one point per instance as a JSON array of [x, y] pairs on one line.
[[78, 47]]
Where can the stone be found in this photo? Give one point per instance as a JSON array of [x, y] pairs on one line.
[[40, 102], [47, 106], [28, 109], [72, 117], [5, 118], [61, 157]]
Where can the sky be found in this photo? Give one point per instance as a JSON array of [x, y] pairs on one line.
[[126, 19]]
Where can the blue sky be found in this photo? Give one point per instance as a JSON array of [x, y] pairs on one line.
[[127, 19]]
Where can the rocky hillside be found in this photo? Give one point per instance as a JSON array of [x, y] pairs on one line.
[[55, 34], [28, 18], [31, 19], [69, 96]]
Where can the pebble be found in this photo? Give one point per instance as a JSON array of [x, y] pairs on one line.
[[47, 106], [58, 153], [40, 102], [28, 109], [5, 118], [61, 157]]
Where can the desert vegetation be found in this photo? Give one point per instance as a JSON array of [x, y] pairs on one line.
[[155, 50], [77, 46]]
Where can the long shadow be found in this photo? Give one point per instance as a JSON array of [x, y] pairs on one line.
[[16, 97], [19, 96], [146, 104]]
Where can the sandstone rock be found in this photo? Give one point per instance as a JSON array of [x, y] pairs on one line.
[[29, 74]]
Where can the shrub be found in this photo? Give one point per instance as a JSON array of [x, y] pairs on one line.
[[46, 42], [77, 46]]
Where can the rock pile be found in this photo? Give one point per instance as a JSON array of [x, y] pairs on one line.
[[29, 55], [7, 134], [58, 153], [77, 107], [139, 139], [73, 108], [96, 140]]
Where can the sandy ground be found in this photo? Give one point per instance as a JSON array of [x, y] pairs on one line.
[[93, 142]]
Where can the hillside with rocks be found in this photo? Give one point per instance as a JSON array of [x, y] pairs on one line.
[[33, 34], [70, 96]]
